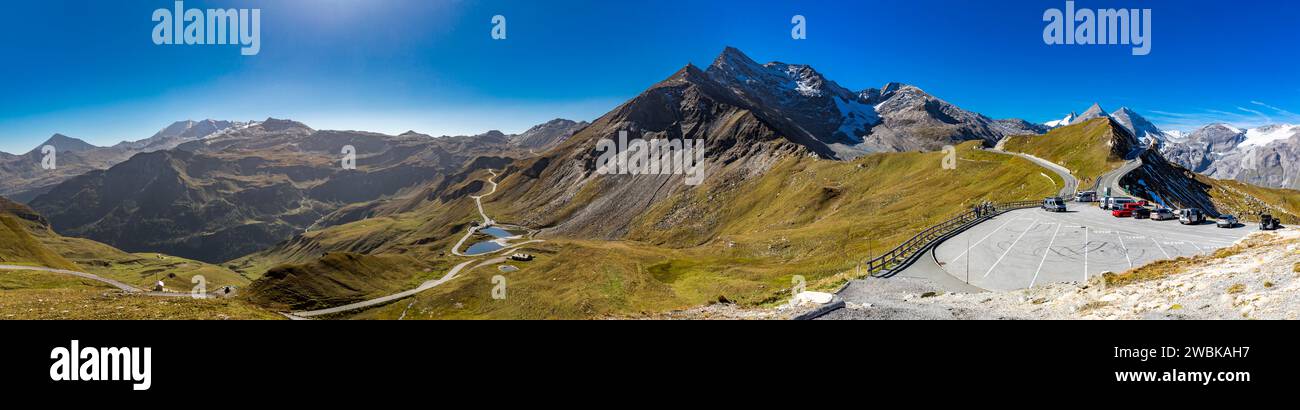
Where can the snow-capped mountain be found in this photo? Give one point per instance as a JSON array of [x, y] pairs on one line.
[[1134, 123], [896, 117], [1069, 119], [1258, 137], [826, 111], [1141, 128], [1266, 156], [1200, 148]]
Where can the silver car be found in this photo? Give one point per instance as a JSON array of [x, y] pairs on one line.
[[1163, 214], [1227, 221]]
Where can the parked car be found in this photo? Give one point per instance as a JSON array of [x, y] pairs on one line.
[[1268, 223], [1117, 202], [1226, 221], [1190, 216], [1085, 196], [1126, 211], [1054, 204], [1142, 213], [1162, 214]]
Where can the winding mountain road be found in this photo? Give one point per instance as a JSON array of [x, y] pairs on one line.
[[1111, 179], [451, 274], [1071, 183]]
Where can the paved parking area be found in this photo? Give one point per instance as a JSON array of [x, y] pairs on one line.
[[1031, 247]]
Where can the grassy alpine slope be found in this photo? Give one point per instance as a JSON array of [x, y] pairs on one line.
[[26, 239], [808, 217], [1087, 149], [44, 295]]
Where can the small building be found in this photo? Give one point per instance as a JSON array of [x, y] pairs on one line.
[[522, 257]]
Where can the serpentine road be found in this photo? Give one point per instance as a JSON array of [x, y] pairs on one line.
[[451, 274]]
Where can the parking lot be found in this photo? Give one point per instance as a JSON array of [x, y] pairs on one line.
[[1031, 247]]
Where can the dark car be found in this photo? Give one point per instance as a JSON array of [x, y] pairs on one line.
[[1268, 223], [1142, 213]]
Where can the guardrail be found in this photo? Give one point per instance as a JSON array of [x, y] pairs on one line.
[[905, 254]]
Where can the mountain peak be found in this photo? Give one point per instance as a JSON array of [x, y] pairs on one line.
[[689, 74], [1094, 110], [733, 54], [275, 124], [64, 143]]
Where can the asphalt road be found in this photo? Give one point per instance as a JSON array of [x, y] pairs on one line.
[[1071, 183], [122, 286], [1111, 179], [1030, 247], [119, 285]]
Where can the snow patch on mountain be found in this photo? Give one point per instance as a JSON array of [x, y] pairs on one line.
[[1069, 119], [857, 117], [1261, 136]]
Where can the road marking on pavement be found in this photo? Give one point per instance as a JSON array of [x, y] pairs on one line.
[[1009, 248], [1162, 249], [1045, 253], [1085, 254], [1121, 244], [987, 236]]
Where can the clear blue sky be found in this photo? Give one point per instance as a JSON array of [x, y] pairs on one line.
[[89, 69]]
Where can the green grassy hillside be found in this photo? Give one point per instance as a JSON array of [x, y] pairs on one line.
[[26, 239], [340, 278], [1087, 149], [17, 244], [42, 295]]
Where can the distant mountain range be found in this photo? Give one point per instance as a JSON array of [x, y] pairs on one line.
[[224, 189], [1267, 156], [22, 178]]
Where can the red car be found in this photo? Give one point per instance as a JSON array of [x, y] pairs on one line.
[[1127, 211]]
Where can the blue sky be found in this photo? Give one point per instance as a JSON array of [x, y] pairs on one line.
[[89, 69]]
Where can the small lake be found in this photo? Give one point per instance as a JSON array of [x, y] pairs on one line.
[[497, 232], [482, 248]]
